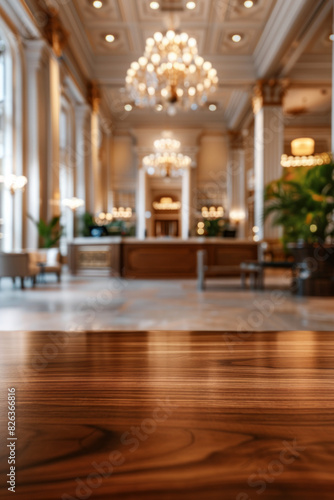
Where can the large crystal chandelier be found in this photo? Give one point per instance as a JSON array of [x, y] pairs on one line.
[[167, 161], [171, 74]]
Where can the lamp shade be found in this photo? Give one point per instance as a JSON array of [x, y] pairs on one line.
[[303, 146]]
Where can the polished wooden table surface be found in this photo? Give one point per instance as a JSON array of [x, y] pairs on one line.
[[170, 415]]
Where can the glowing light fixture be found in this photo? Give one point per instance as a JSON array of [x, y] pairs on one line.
[[155, 5], [305, 161], [128, 107], [248, 4], [212, 212], [302, 154], [236, 38], [109, 38], [191, 5], [166, 203], [14, 182], [303, 146], [122, 213], [171, 74], [213, 107], [97, 4], [104, 218], [167, 161], [73, 203], [237, 215]]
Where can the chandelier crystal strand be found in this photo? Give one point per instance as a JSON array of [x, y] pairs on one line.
[[171, 74], [166, 161]]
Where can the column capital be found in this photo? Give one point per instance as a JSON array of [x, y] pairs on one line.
[[54, 32], [269, 93]]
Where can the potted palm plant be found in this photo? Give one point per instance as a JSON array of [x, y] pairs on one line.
[[49, 232], [302, 202]]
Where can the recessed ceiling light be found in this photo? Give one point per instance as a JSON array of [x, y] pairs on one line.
[[212, 107], [155, 5], [331, 37], [109, 38], [97, 4], [236, 38], [191, 5], [248, 4], [159, 107], [128, 107]]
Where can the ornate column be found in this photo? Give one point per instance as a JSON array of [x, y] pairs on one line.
[[54, 129], [185, 203], [82, 112], [236, 180], [36, 135], [268, 146], [141, 204], [94, 99]]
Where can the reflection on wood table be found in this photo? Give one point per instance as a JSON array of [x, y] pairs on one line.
[[170, 415]]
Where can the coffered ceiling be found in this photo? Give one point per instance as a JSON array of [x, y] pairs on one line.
[[212, 23], [279, 38]]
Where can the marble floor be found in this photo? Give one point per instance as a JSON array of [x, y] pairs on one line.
[[101, 303]]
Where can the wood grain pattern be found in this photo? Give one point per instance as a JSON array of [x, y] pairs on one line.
[[217, 416], [179, 260]]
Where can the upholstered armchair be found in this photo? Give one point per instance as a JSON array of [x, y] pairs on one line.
[[48, 261], [17, 265]]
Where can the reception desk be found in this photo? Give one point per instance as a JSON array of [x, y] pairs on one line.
[[155, 258]]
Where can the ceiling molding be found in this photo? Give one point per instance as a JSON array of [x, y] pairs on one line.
[[78, 42], [278, 33], [298, 48], [21, 17], [239, 103]]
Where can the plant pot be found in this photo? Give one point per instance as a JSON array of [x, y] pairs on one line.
[[315, 266]]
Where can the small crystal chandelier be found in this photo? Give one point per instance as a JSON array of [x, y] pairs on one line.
[[303, 154], [167, 161], [73, 203], [171, 74]]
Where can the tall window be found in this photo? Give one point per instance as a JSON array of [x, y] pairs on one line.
[[66, 174], [2, 138]]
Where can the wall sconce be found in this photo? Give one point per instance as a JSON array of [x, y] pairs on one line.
[[14, 182], [212, 212], [73, 203], [237, 215]]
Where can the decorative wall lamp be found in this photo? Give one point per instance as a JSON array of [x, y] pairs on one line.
[[14, 183], [73, 203], [167, 204], [212, 212], [104, 218], [237, 216]]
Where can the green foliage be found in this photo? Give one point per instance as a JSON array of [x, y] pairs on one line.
[[302, 202], [87, 223], [49, 232], [214, 227], [114, 228]]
